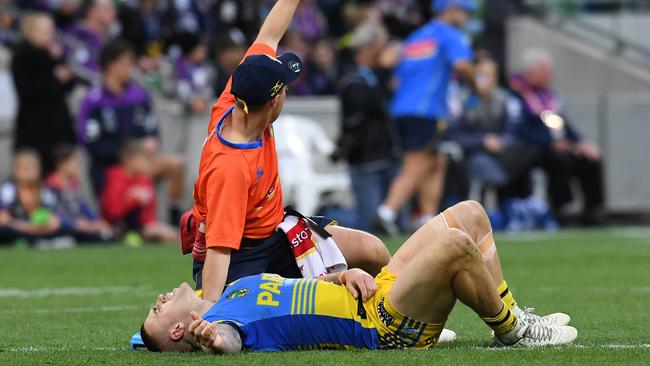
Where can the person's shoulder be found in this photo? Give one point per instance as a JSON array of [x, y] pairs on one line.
[[54, 182], [48, 196], [94, 95], [115, 172], [135, 91], [351, 77], [223, 161]]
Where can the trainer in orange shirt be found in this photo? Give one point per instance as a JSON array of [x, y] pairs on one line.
[[238, 193]]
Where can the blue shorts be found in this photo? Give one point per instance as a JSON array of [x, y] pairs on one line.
[[418, 133], [255, 256]]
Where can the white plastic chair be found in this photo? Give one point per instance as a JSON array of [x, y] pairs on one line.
[[301, 143]]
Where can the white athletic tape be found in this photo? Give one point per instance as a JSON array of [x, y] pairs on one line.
[[64, 291]]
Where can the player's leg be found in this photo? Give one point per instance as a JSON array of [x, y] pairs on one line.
[[416, 167], [432, 188], [470, 218], [451, 268], [360, 249]]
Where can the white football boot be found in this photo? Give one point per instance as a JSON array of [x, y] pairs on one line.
[[536, 335], [550, 319], [447, 336]]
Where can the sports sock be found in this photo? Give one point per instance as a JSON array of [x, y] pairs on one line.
[[386, 213], [507, 297], [504, 322]]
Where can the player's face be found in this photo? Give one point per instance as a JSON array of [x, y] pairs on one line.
[[170, 315]]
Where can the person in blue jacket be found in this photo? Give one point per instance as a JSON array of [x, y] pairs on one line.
[[430, 57]]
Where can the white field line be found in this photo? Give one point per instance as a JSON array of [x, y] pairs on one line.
[[97, 309], [570, 346], [539, 237], [121, 349], [60, 349], [633, 289], [65, 291]]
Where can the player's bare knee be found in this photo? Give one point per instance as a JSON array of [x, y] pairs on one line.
[[476, 216], [460, 246], [375, 249]]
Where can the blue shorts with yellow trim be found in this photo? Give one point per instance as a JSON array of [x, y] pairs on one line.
[[396, 330]]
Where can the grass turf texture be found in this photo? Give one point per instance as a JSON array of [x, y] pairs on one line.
[[599, 277]]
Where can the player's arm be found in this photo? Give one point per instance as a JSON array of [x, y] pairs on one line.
[[465, 70], [215, 271], [227, 199], [277, 22], [356, 280], [218, 338]]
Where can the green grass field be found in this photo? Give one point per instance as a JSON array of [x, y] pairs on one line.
[[80, 306]]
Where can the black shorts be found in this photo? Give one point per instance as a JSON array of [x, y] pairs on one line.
[[418, 133], [270, 255]]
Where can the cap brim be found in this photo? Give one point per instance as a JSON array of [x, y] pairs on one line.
[[291, 66]]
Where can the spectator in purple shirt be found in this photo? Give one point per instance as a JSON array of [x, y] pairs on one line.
[[87, 37], [119, 110]]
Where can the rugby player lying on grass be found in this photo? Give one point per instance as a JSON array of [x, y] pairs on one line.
[[451, 257]]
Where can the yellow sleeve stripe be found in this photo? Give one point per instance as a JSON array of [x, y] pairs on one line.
[[303, 298], [293, 296], [312, 297], [303, 309]]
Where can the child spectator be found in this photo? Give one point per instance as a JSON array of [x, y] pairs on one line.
[[27, 208], [77, 217], [119, 110], [128, 199]]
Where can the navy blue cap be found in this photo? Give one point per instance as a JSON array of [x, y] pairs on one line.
[[261, 77], [441, 5]]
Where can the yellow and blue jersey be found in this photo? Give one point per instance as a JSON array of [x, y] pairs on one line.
[[278, 314]]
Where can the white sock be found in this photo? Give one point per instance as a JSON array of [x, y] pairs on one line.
[[423, 219], [386, 213]]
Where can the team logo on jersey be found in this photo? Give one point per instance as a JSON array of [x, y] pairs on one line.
[[237, 293], [421, 49], [384, 315]]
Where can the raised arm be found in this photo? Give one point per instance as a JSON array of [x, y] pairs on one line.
[[277, 22]]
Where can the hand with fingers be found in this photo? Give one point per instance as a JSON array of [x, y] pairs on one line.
[[359, 283], [205, 333]]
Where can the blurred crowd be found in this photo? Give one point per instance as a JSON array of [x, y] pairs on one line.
[[417, 136]]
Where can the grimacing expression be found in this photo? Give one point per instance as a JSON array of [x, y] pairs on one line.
[[169, 319]]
